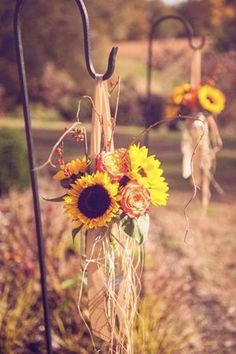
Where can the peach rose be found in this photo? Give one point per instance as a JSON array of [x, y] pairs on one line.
[[114, 163], [135, 199], [190, 99]]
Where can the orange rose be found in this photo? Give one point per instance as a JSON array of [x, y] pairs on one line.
[[190, 99], [114, 163], [135, 199]]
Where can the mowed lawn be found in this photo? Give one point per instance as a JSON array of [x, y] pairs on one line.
[[165, 144]]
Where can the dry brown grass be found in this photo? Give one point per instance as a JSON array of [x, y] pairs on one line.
[[204, 266], [189, 301], [21, 319]]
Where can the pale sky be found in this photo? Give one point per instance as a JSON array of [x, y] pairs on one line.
[[172, 2]]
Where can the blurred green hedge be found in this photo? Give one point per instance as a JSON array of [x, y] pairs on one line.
[[13, 161]]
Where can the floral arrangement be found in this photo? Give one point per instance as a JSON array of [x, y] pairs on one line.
[[108, 195], [200, 104], [122, 187], [206, 98]]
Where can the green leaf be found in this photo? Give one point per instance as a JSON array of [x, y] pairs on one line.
[[69, 283], [76, 231], [137, 228], [56, 200]]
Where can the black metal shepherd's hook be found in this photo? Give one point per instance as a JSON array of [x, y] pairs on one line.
[[87, 47], [31, 158], [154, 26]]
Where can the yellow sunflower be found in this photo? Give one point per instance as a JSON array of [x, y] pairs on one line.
[[211, 99], [179, 93], [72, 170], [92, 200], [171, 111], [146, 170]]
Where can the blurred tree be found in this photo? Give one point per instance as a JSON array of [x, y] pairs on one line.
[[198, 14], [121, 19], [8, 77], [168, 28], [223, 21], [52, 33], [214, 17]]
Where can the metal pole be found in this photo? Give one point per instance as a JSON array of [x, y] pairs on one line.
[[87, 47], [29, 139], [34, 182]]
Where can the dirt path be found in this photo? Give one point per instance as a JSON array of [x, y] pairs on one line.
[[202, 269]]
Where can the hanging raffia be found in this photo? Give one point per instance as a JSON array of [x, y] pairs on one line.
[[114, 260], [204, 132]]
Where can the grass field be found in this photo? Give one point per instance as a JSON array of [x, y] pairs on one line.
[[165, 144], [171, 63]]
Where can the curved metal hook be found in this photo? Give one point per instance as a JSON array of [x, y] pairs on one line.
[[87, 42], [187, 26], [190, 34], [87, 47]]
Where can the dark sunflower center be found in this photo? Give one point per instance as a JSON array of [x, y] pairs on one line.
[[94, 201], [210, 99]]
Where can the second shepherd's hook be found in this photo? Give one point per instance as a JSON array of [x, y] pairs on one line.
[[154, 26], [87, 47], [187, 26]]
